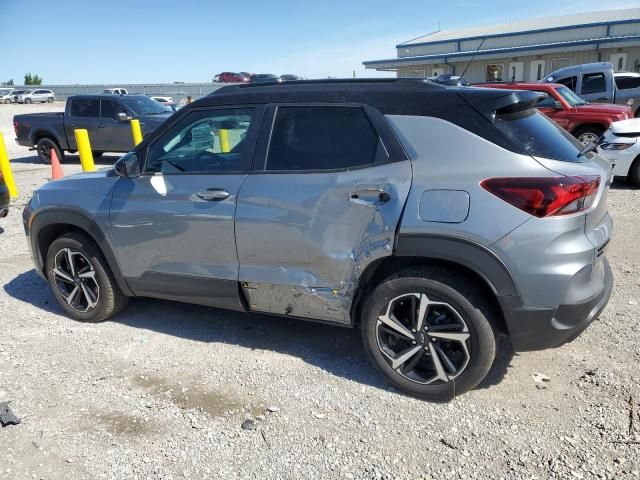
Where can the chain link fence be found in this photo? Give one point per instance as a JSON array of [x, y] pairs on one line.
[[178, 91]]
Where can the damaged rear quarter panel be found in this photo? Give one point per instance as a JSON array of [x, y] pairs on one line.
[[303, 242]]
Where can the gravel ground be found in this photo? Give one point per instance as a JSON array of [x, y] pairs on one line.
[[172, 391]]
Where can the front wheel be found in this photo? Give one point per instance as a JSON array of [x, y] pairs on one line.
[[28, 100], [81, 279], [7, 101], [49, 100], [427, 331], [588, 135]]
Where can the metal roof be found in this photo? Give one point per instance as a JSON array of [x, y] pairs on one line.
[[536, 24]]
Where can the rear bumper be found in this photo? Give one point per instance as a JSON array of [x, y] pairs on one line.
[[538, 329]]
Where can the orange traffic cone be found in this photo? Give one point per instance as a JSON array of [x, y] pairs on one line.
[[56, 168]]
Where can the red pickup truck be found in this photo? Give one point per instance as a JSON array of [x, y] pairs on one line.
[[585, 121]]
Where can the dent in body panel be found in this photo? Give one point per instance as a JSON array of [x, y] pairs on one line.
[[303, 242]]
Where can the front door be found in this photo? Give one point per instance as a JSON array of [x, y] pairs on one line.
[[83, 114], [536, 70], [325, 204], [173, 227], [516, 71], [111, 134]]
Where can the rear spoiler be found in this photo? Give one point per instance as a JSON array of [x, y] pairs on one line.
[[491, 101]]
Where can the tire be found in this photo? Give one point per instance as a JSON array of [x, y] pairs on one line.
[[44, 147], [462, 313], [27, 100], [99, 285], [7, 101], [588, 135], [634, 172], [50, 100]]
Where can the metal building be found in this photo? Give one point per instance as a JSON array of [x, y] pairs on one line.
[[525, 50]]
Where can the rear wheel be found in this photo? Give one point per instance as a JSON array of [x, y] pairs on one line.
[[44, 147], [588, 135], [81, 279], [50, 100], [28, 100], [428, 333]]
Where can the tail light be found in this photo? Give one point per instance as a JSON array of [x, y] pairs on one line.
[[546, 196]]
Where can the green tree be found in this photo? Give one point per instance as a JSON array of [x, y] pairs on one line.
[[31, 79], [8, 82]]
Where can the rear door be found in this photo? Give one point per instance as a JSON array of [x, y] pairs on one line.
[[112, 135], [173, 227], [597, 87], [82, 114], [324, 202]]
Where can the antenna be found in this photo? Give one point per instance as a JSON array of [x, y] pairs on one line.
[[473, 57]]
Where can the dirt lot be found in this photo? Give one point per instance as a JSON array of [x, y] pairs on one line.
[[163, 389]]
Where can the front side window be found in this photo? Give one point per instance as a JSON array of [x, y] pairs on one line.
[[593, 83], [110, 109], [321, 138], [84, 108], [144, 105], [210, 141], [571, 98], [547, 102], [569, 82]]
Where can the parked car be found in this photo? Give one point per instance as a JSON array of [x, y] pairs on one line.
[[231, 77], [4, 198], [32, 96], [115, 91], [247, 74], [106, 117], [6, 94], [595, 82], [312, 208], [584, 120], [10, 97], [265, 78], [621, 146], [287, 77]]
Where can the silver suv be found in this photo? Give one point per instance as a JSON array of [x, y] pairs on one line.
[[33, 96], [433, 218]]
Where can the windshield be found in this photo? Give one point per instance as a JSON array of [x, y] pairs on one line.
[[144, 105], [571, 98]]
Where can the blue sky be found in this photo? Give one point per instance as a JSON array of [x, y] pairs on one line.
[[147, 41]]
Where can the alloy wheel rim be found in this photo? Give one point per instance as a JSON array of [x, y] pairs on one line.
[[423, 340], [588, 138], [75, 280], [45, 151]]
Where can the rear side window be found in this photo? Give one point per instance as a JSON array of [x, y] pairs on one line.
[[534, 134], [321, 138], [593, 83], [624, 83], [84, 108]]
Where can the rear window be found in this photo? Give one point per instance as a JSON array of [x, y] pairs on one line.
[[532, 133]]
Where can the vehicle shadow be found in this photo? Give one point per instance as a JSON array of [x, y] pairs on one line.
[[335, 349], [623, 184], [108, 159]]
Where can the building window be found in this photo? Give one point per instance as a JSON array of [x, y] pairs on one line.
[[495, 72]]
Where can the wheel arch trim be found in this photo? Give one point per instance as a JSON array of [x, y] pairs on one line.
[[77, 218]]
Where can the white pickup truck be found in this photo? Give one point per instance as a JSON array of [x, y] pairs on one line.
[[597, 82]]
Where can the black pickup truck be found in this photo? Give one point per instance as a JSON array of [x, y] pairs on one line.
[[105, 117]]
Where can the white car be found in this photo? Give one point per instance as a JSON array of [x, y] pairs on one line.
[[621, 146], [115, 91], [35, 95]]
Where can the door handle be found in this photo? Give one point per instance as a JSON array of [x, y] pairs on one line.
[[370, 196], [213, 194]]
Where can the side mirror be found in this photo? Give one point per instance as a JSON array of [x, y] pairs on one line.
[[128, 166], [122, 117], [557, 105]]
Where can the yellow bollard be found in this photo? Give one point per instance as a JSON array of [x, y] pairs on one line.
[[224, 140], [84, 149], [5, 169], [136, 131]]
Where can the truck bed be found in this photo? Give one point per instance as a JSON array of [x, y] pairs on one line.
[[32, 126]]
